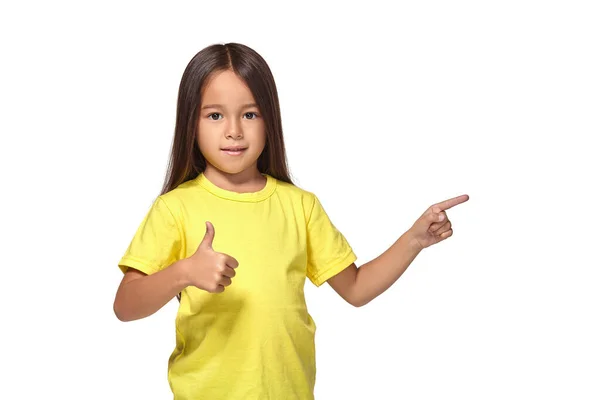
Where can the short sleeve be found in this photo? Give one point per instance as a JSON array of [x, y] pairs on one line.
[[328, 250], [157, 242]]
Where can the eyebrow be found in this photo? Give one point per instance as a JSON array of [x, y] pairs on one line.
[[221, 106]]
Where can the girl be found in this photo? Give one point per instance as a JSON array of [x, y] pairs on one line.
[[234, 239]]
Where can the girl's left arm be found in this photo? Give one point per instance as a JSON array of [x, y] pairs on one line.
[[358, 286]]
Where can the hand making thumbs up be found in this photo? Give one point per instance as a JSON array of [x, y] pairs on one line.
[[434, 226], [210, 270]]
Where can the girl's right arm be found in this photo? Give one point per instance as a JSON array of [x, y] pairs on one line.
[[140, 295]]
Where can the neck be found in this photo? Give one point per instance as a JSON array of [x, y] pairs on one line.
[[250, 180]]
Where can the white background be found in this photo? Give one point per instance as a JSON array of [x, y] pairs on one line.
[[387, 109]]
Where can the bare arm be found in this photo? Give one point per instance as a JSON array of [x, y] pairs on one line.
[[358, 286], [140, 295]]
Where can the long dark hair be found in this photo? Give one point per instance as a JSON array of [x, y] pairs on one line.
[[186, 161]]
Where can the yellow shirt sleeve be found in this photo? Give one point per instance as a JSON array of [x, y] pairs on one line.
[[328, 250], [157, 242]]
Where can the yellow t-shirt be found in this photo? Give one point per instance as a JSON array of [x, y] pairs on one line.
[[255, 340]]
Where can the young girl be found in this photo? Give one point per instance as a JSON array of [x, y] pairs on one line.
[[234, 239]]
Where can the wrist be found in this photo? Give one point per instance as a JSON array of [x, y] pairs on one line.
[[182, 274], [412, 241]]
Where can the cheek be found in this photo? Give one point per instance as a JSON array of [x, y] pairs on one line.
[[261, 135], [204, 145], [200, 141], [204, 135]]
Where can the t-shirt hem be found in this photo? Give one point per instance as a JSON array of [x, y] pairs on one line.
[[334, 269]]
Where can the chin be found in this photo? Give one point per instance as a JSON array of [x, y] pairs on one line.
[[232, 165], [229, 169]]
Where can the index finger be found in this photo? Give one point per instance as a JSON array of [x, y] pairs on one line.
[[445, 205]]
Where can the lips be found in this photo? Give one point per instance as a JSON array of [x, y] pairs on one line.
[[234, 148], [234, 153]]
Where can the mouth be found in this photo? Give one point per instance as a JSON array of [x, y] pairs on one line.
[[234, 151]]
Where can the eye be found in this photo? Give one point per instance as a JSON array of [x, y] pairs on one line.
[[210, 115], [252, 113]]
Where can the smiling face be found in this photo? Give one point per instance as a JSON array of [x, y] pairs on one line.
[[229, 117]]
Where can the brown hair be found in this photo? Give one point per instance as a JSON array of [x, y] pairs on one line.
[[186, 161]]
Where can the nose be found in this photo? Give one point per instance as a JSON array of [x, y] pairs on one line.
[[234, 130]]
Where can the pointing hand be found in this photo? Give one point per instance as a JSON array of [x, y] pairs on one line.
[[429, 229]]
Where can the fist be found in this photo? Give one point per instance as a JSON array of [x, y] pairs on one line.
[[208, 269]]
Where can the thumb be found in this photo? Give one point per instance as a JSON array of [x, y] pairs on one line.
[[208, 236]]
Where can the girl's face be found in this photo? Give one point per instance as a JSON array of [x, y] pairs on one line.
[[229, 117]]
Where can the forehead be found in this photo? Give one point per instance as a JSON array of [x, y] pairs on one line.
[[225, 87]]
